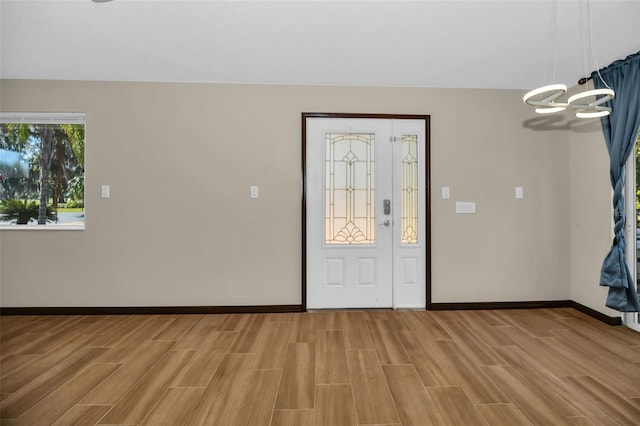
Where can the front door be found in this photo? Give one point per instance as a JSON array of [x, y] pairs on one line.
[[365, 198]]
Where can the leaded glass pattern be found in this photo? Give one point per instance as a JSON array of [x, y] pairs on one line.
[[349, 188], [409, 155]]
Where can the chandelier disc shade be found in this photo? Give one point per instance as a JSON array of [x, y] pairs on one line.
[[593, 114], [592, 109], [544, 96], [550, 110]]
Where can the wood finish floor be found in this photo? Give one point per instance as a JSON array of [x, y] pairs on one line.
[[520, 367]]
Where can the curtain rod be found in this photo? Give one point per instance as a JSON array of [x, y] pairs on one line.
[[583, 80]]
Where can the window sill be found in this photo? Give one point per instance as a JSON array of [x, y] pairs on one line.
[[48, 227]]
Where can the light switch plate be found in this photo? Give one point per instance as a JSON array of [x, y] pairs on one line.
[[465, 207], [105, 191], [519, 192], [255, 191], [445, 193]]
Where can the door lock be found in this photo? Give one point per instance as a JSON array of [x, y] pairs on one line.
[[386, 207]]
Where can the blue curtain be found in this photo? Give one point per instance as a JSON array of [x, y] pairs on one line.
[[620, 132]]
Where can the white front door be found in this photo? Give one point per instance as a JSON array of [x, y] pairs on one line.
[[365, 212]]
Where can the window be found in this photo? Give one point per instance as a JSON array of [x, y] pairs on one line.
[[42, 171], [632, 205]]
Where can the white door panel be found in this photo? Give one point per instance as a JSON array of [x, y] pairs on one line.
[[348, 251], [409, 185]]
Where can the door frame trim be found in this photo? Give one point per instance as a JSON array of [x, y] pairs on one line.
[[427, 154]]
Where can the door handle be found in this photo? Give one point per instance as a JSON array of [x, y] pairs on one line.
[[386, 223]]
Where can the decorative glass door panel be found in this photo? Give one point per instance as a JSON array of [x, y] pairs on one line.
[[349, 188], [409, 155]]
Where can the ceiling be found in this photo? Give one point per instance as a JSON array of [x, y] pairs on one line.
[[453, 44]]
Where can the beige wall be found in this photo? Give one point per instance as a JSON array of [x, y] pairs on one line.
[[180, 229], [591, 213]]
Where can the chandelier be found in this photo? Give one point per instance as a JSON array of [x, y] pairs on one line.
[[588, 104]]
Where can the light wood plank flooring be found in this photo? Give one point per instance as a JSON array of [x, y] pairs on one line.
[[509, 367]]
